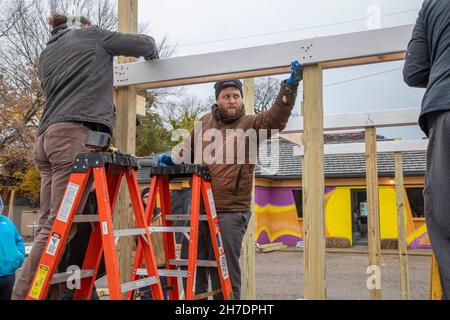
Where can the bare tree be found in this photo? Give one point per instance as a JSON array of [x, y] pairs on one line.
[[266, 91], [26, 32], [184, 108]]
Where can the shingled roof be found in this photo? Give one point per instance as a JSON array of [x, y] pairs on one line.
[[339, 166], [336, 166]]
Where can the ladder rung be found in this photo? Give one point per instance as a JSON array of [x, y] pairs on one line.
[[184, 217], [141, 232], [200, 263], [165, 273], [169, 229], [135, 285], [63, 277], [208, 294], [86, 219]]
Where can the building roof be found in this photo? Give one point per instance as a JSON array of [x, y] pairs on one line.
[[336, 166]]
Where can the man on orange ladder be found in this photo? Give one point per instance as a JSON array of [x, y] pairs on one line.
[[232, 177], [428, 66], [76, 73]]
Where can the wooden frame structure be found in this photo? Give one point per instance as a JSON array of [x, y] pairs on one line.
[[317, 54], [371, 148]]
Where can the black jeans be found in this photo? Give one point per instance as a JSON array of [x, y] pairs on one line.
[[233, 226], [6, 287], [437, 189]]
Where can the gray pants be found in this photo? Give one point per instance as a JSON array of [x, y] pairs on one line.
[[437, 194], [233, 226], [54, 152]]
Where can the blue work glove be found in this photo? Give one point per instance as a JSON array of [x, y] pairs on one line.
[[164, 160], [296, 75]]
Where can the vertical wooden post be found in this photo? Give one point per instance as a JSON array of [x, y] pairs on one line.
[[125, 139], [249, 238], [435, 281], [12, 198], [374, 213], [314, 184], [402, 248]]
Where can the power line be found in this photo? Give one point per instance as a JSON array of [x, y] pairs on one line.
[[362, 77], [290, 30]]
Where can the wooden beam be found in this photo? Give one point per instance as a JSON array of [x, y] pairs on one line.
[[125, 141], [335, 51], [140, 105], [435, 282], [402, 247], [360, 120], [360, 148], [249, 238], [373, 206], [314, 184], [12, 198], [364, 60]]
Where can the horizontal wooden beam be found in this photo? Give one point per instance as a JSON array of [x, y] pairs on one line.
[[361, 120], [335, 51], [360, 148]]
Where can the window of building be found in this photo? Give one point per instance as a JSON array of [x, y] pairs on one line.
[[298, 197], [415, 197]]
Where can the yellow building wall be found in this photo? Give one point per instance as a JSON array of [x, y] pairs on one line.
[[388, 213], [338, 213], [338, 218]]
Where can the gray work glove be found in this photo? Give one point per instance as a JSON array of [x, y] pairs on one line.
[[154, 56]]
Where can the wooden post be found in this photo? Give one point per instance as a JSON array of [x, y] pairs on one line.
[[249, 238], [125, 140], [314, 184], [374, 213], [435, 283], [402, 248], [12, 198]]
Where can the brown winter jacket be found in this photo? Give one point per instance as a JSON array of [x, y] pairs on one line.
[[233, 183]]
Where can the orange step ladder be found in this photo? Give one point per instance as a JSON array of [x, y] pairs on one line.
[[107, 170], [201, 190]]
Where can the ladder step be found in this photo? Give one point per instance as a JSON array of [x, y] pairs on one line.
[[165, 273], [208, 294], [135, 285], [86, 219], [141, 232], [184, 217], [63, 277], [200, 263]]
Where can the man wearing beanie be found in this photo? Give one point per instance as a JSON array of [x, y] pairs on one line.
[[232, 181]]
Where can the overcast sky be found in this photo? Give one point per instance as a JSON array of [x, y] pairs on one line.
[[202, 26]]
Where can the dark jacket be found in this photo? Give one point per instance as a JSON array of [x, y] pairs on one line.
[[232, 184], [428, 58], [76, 72]]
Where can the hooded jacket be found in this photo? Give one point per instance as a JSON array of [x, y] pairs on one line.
[[232, 178], [76, 73], [12, 248], [428, 58]]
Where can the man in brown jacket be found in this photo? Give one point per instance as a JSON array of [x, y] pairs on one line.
[[231, 163]]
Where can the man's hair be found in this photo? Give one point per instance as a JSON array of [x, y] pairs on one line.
[[57, 19]]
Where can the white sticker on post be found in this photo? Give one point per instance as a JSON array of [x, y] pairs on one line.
[[220, 243], [212, 204], [67, 203], [53, 245], [105, 228], [224, 266]]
